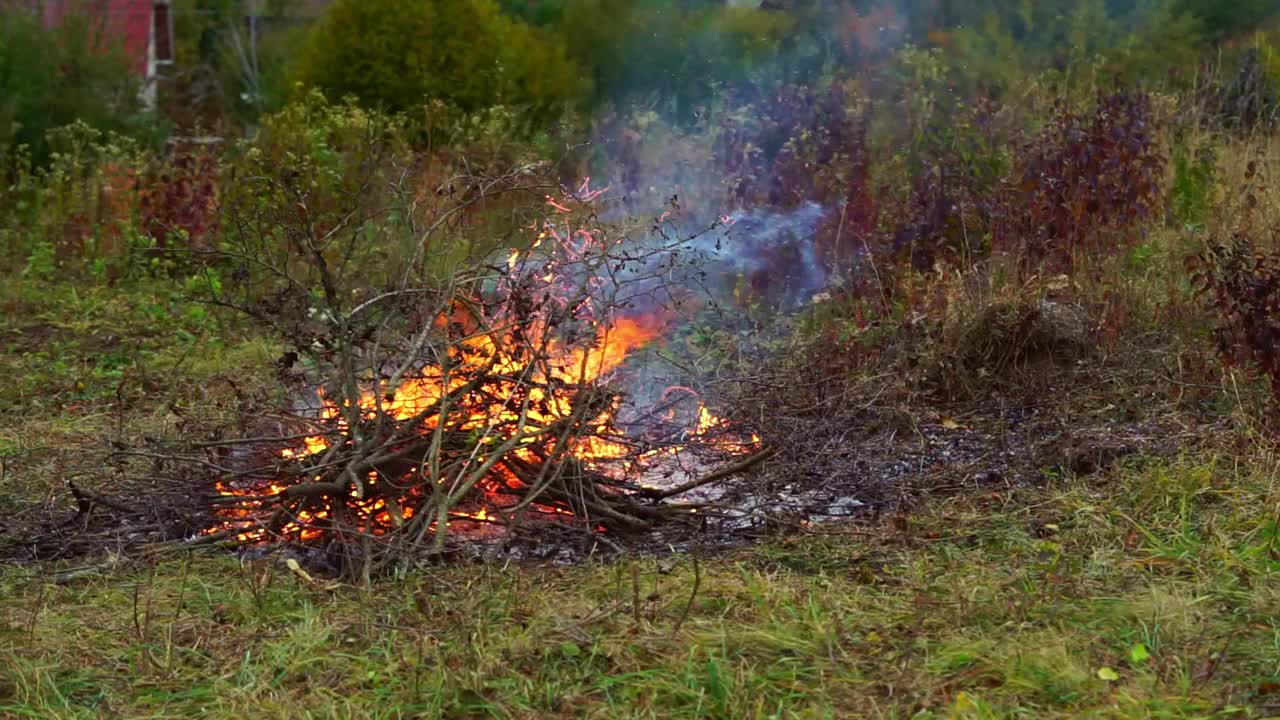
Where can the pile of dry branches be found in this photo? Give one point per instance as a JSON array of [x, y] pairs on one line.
[[469, 398]]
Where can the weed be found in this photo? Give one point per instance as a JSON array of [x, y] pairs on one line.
[[1193, 184], [1086, 175]]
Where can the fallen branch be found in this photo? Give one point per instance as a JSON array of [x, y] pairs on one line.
[[85, 498], [714, 476]]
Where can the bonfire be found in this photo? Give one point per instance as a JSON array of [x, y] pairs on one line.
[[499, 405]]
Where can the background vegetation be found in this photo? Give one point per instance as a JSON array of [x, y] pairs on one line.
[[1063, 210], [52, 79]]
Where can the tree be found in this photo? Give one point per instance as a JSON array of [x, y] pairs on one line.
[[676, 50], [1224, 19], [535, 12], [396, 55]]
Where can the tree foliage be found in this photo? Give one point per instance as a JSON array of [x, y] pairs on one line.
[[677, 51], [1223, 19], [397, 55]]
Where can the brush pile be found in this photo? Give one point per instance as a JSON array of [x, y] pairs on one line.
[[487, 400]]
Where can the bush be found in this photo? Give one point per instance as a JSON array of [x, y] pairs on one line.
[[669, 50], [79, 205], [1086, 175], [1237, 274], [1241, 282], [316, 175], [52, 79], [396, 56]]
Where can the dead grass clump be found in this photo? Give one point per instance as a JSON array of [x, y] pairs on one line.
[[1012, 341]]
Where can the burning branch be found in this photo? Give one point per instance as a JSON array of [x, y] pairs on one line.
[[460, 402]]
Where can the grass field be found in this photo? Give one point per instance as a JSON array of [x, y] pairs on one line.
[[1055, 602], [1147, 590]]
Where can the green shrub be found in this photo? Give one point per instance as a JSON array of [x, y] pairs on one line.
[[80, 205], [49, 79], [1194, 171], [315, 170], [396, 56]]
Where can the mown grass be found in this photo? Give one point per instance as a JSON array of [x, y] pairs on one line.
[[69, 344]]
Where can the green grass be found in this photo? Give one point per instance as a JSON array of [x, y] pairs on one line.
[[1149, 590], [83, 361], [69, 345], [1150, 593]]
